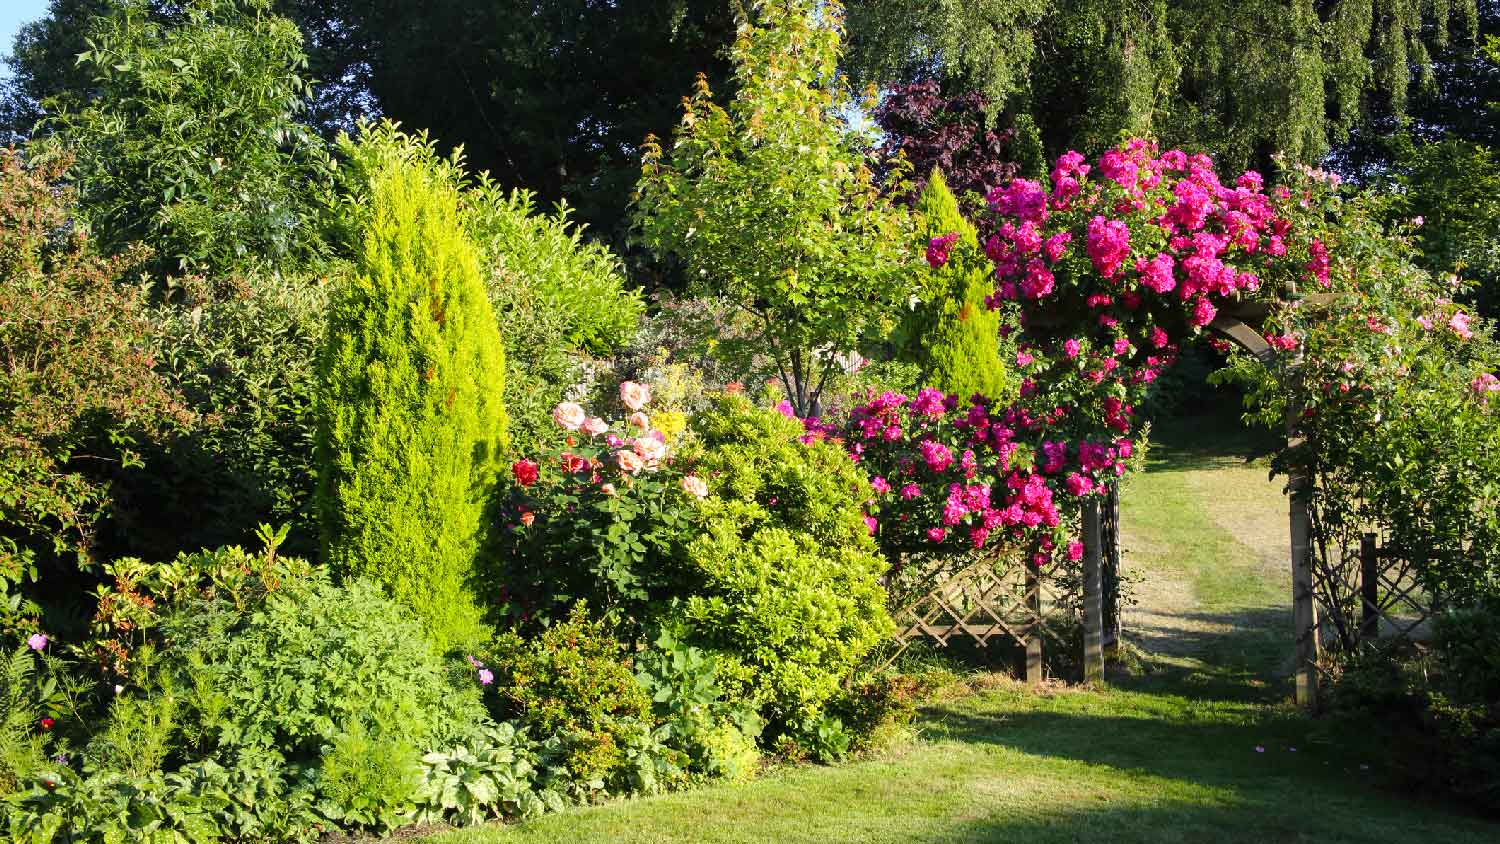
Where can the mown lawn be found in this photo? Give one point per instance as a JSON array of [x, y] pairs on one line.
[[1200, 746]]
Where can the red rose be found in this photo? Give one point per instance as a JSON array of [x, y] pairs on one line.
[[47, 723], [525, 471], [528, 518]]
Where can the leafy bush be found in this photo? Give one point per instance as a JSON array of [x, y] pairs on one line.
[[595, 518], [496, 775], [572, 682], [76, 380], [411, 425], [189, 137], [245, 364], [716, 732], [1468, 643], [243, 707], [781, 575]]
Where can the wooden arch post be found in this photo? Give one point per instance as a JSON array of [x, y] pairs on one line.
[[1304, 602]]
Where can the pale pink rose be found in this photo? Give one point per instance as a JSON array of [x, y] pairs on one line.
[[640, 420], [607, 489], [634, 396], [694, 486], [569, 415], [629, 461], [650, 449], [595, 426]]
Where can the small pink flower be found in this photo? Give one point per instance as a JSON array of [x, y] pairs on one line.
[[486, 676], [784, 407], [607, 489], [872, 524], [569, 416], [1072, 347], [911, 491], [640, 420], [694, 486], [1075, 551], [937, 534], [595, 426], [880, 485], [36, 641], [634, 396]]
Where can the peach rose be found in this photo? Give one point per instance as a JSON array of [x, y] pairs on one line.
[[694, 486], [595, 426], [629, 461], [569, 415], [640, 420], [607, 489], [650, 449], [634, 396]]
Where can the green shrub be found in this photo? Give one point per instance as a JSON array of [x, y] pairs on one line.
[[573, 682], [245, 363], [188, 137], [782, 576], [411, 426], [953, 334], [77, 380], [500, 774], [716, 732], [1468, 646]]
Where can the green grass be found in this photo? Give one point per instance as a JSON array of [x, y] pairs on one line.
[[1168, 755]]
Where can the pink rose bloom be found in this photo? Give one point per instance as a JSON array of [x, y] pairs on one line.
[[1460, 325], [486, 677], [1072, 347], [1075, 551], [937, 455], [629, 461], [607, 489], [36, 641], [650, 449], [569, 416], [1055, 246], [1425, 323], [634, 396], [640, 420], [872, 524], [1157, 273], [880, 485], [1203, 313], [911, 491], [694, 486], [936, 534], [595, 426], [1108, 245], [1079, 485]]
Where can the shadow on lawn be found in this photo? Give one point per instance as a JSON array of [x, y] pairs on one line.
[[1240, 655]]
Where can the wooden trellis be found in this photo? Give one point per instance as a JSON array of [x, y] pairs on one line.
[[1370, 597], [989, 599]]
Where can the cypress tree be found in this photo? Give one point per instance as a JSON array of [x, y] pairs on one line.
[[412, 428], [957, 337]]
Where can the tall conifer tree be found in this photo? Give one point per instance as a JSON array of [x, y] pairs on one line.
[[412, 428]]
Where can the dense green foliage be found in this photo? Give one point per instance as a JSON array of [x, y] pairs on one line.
[[558, 297], [770, 204], [411, 424], [245, 363], [75, 381], [243, 710], [1244, 81], [784, 573], [956, 335], [1389, 381], [188, 136]]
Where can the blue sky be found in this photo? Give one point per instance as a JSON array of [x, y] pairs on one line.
[[13, 13]]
